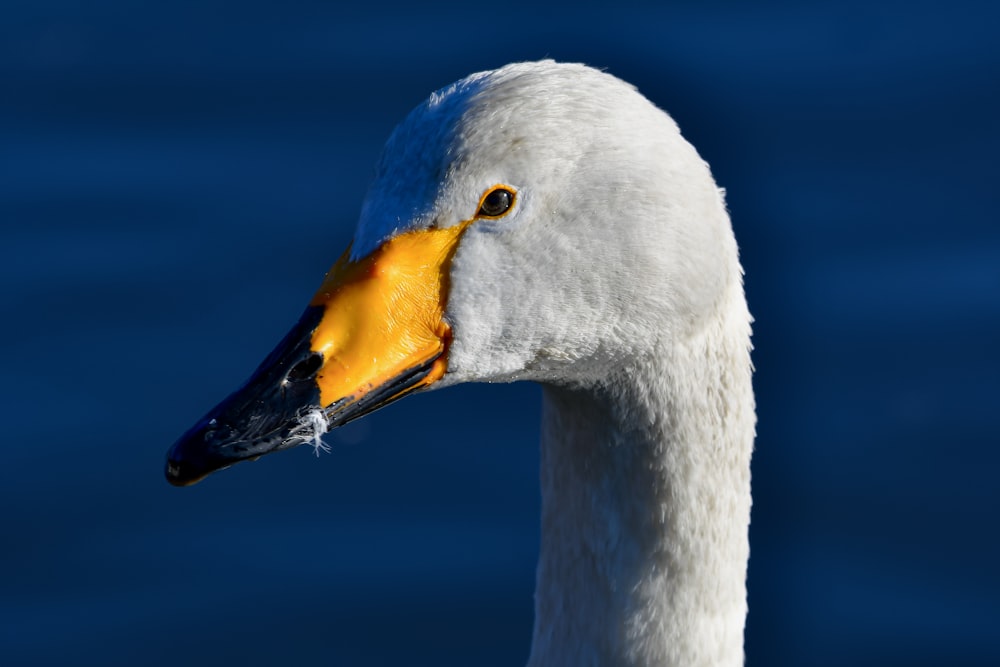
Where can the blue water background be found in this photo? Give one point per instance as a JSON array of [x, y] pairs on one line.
[[175, 179]]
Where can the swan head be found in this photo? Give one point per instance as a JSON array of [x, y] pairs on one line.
[[542, 221]]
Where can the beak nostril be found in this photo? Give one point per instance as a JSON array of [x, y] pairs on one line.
[[305, 369]]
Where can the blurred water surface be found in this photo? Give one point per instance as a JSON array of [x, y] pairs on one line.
[[176, 179]]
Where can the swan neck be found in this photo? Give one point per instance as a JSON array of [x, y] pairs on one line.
[[645, 510]]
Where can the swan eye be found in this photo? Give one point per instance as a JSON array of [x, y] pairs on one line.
[[496, 202]]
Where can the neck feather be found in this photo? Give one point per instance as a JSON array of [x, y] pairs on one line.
[[645, 509]]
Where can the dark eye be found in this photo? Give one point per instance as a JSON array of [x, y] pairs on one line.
[[497, 202]]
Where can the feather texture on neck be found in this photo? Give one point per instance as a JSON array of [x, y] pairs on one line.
[[646, 505]]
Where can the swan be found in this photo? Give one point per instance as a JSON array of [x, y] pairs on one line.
[[544, 221]]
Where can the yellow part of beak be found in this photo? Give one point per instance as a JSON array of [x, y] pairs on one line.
[[384, 315]]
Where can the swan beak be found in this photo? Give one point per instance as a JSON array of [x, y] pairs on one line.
[[374, 332]]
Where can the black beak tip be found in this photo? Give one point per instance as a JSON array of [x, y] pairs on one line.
[[182, 473], [189, 460], [193, 458]]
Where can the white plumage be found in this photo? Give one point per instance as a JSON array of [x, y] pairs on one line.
[[615, 282]]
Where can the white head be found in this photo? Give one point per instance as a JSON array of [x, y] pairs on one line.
[[616, 241], [617, 236]]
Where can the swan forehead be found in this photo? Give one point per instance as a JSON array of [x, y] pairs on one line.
[[414, 167], [517, 125]]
